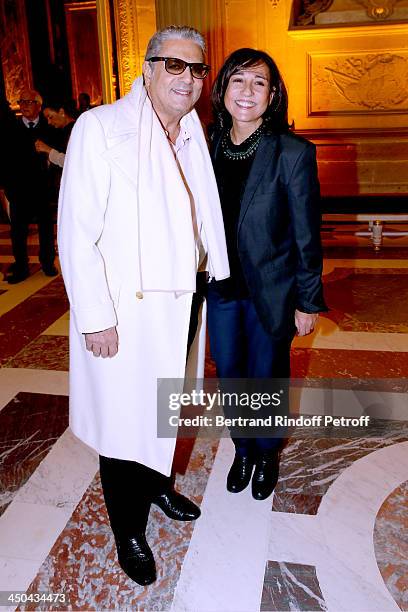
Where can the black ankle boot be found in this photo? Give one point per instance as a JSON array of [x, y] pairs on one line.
[[266, 474], [240, 473], [176, 506], [173, 504], [136, 558]]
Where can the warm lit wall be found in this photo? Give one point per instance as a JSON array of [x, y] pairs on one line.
[[83, 49], [348, 86], [348, 91], [14, 50]]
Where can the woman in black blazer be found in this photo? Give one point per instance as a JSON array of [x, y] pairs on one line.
[[269, 190]]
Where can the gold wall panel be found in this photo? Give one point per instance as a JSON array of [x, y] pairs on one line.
[[14, 49], [82, 37], [208, 17], [135, 23], [350, 78], [105, 50], [358, 83]]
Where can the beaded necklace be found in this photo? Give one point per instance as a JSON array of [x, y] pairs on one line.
[[246, 148]]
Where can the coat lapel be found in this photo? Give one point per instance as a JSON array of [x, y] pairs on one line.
[[124, 130], [123, 157], [263, 158]]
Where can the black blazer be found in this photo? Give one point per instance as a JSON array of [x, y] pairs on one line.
[[279, 230]]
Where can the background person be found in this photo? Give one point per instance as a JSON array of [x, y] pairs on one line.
[[26, 183], [84, 102], [269, 191], [59, 115]]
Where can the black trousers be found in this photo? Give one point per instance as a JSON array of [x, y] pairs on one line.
[[242, 349], [129, 488], [22, 213]]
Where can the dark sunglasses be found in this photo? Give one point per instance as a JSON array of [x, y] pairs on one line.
[[174, 65], [26, 102]]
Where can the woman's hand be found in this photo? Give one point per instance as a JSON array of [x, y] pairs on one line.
[[41, 147], [305, 322]]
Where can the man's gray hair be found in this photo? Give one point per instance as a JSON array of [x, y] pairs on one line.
[[173, 33]]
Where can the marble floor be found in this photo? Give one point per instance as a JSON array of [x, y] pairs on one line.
[[334, 535]]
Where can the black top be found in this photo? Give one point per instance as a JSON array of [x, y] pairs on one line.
[[232, 174]]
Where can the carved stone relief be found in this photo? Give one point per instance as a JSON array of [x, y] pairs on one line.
[[346, 12], [358, 83], [14, 49], [128, 51], [378, 9], [309, 9]]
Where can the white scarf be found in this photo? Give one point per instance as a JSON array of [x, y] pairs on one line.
[[167, 249]]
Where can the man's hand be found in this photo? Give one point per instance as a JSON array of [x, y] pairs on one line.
[[41, 147], [305, 322], [103, 343]]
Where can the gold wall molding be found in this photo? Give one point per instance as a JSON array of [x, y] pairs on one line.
[[15, 50], [358, 83], [317, 32], [105, 50], [352, 134], [129, 64], [135, 23]]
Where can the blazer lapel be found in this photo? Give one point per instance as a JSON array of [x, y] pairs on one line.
[[263, 158], [215, 145]]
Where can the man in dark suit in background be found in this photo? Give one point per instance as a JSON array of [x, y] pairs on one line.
[[25, 178]]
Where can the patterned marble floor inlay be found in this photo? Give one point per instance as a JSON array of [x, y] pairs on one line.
[[368, 299], [391, 544], [311, 464], [29, 426], [83, 562], [313, 546], [342, 363], [291, 586], [23, 323], [43, 353]]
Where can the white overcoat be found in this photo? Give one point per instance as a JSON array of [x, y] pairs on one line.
[[113, 400]]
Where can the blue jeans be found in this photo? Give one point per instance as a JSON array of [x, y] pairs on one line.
[[242, 348]]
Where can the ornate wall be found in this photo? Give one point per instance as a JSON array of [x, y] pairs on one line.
[[134, 23], [14, 49], [348, 85], [83, 50], [348, 90]]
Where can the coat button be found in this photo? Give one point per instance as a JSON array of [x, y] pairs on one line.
[[139, 295]]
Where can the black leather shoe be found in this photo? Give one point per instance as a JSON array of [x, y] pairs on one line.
[[240, 473], [176, 506], [50, 270], [266, 475], [136, 559], [17, 276]]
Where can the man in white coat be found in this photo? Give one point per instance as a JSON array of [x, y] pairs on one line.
[[138, 214]]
